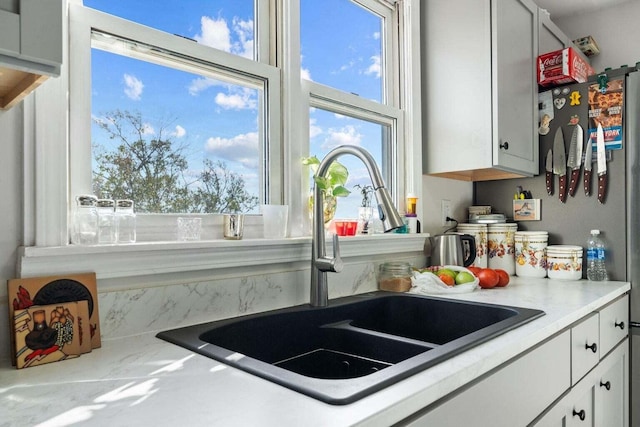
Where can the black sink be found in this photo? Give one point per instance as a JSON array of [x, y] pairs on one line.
[[355, 346]]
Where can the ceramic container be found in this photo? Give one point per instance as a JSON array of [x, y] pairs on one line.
[[564, 262], [501, 247], [479, 232], [530, 253]]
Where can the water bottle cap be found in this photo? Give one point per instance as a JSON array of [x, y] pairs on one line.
[[596, 232]]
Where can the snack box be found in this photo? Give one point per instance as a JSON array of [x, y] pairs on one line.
[[561, 67], [587, 45]]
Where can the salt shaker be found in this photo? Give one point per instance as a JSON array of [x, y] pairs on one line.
[[126, 221], [106, 221], [85, 221]]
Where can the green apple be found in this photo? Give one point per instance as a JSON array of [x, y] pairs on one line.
[[447, 272], [464, 277]]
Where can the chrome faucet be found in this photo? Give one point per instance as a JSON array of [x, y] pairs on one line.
[[320, 262]]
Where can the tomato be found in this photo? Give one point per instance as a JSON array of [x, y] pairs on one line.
[[488, 278], [474, 270], [504, 278]]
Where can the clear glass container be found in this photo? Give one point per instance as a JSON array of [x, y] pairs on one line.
[[85, 221], [395, 276], [106, 221], [125, 221]]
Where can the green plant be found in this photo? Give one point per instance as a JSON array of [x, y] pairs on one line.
[[366, 191], [333, 184]]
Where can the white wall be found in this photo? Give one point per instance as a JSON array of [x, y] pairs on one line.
[[434, 190], [616, 30]]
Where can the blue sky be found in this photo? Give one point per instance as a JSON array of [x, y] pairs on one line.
[[219, 121]]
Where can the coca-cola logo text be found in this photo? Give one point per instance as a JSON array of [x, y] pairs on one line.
[[552, 60]]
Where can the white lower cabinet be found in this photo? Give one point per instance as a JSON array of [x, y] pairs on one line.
[[600, 399], [578, 378]]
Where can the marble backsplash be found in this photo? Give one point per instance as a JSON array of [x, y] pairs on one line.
[[151, 309]]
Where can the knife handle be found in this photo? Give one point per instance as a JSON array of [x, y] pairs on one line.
[[602, 187], [549, 181], [573, 184], [562, 190], [587, 182]]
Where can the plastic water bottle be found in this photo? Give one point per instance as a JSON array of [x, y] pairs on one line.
[[596, 268]]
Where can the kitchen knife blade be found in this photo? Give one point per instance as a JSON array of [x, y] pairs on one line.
[[549, 172], [588, 154], [601, 157], [575, 158], [560, 164]]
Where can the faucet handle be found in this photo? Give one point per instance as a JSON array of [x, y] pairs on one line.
[[337, 263]]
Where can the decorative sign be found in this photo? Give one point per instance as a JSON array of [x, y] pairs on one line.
[[605, 107]]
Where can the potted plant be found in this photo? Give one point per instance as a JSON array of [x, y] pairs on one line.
[[332, 185]]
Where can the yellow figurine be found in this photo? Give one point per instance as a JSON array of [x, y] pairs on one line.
[[575, 98]]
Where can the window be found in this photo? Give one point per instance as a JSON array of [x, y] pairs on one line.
[[376, 101]]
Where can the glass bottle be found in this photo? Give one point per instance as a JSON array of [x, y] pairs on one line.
[[106, 221], [85, 221], [125, 221], [395, 276]]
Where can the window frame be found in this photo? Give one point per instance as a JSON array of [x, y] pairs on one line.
[[53, 126]]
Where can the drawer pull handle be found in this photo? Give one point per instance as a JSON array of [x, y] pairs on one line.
[[582, 415], [606, 385], [593, 347], [619, 325], [505, 145]]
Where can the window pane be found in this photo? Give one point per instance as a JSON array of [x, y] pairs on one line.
[[327, 130], [174, 141], [222, 24], [341, 45]]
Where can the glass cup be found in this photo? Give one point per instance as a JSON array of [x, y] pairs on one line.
[[233, 226], [275, 219], [189, 228]]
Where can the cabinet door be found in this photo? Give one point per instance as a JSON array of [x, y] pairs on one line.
[[581, 411], [550, 37], [610, 395], [515, 49], [585, 347]]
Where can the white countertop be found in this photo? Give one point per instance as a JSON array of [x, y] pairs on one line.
[[143, 380]]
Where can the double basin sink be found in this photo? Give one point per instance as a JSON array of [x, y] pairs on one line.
[[355, 346]]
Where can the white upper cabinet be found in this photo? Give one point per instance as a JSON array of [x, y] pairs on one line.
[[30, 46], [480, 89]]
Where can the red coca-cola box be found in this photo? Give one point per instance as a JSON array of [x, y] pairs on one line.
[[561, 67]]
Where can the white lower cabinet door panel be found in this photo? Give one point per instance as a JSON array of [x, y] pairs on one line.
[[585, 347], [612, 393], [511, 396]]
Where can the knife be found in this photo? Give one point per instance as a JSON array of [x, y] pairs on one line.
[[549, 172], [560, 164], [601, 157], [575, 158], [588, 154]]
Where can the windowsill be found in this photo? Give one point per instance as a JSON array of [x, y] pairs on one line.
[[159, 258]]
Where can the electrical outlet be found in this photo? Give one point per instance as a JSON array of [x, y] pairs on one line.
[[446, 211]]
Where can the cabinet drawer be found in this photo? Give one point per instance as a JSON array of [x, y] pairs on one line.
[[585, 347], [614, 324]]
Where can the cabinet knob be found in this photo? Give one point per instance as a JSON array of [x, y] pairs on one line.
[[593, 347], [606, 385], [581, 414], [505, 145], [619, 325]]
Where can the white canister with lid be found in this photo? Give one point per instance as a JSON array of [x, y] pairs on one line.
[[564, 262], [501, 247], [479, 232], [530, 253]]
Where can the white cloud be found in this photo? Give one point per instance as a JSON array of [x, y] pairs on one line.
[[374, 68], [314, 130], [180, 132], [147, 129], [203, 83], [217, 34], [376, 35], [346, 135], [241, 148], [133, 87], [305, 74], [241, 100], [214, 33]]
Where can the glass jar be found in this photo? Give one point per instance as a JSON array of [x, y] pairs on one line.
[[106, 221], [395, 276], [85, 221], [125, 221]]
